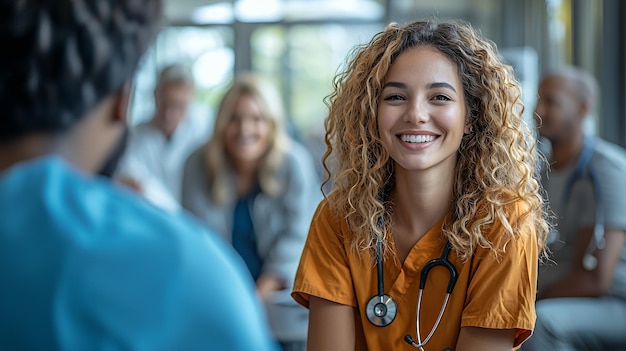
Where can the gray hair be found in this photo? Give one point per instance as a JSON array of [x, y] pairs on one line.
[[176, 74]]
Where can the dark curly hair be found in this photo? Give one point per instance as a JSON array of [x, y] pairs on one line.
[[62, 57]]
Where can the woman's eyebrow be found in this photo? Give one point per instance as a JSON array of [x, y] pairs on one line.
[[440, 85], [395, 85], [428, 86]]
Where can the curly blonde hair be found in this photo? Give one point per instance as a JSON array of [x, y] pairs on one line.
[[496, 164]]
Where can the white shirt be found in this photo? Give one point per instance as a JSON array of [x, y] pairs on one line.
[[156, 163]]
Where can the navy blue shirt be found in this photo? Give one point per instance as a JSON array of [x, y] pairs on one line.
[[244, 237]]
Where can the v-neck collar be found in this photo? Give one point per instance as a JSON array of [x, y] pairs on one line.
[[427, 247]]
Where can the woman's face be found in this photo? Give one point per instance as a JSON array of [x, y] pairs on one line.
[[421, 110], [247, 135]]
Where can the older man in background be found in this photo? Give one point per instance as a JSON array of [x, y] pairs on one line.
[[158, 148]]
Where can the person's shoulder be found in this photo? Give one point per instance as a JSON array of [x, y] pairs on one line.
[[512, 205], [609, 163], [516, 213], [139, 212], [32, 168], [296, 152], [36, 175], [329, 224], [323, 208], [197, 154], [609, 154], [329, 214], [83, 207], [100, 204], [517, 218], [518, 208], [194, 166], [297, 167], [298, 156]]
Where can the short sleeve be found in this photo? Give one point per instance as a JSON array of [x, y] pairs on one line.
[[502, 289], [324, 269], [611, 174]]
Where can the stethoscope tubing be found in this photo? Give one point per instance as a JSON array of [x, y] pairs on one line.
[[584, 163], [381, 309], [441, 261]]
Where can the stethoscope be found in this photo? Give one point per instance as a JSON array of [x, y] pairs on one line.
[[382, 309], [590, 262]]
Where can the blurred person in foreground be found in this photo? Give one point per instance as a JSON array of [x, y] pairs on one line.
[[258, 188], [583, 292], [157, 148], [85, 264]]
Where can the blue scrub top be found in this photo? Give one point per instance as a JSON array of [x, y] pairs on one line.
[[86, 265]]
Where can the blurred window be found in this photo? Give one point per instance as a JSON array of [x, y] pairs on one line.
[[485, 15], [303, 60], [301, 44]]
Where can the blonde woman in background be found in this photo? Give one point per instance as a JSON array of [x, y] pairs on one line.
[[258, 188], [433, 168]]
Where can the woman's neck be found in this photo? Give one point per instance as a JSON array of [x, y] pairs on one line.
[[420, 195], [419, 201], [421, 206], [246, 179]]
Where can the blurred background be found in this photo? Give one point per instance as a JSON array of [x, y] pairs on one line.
[[301, 44]]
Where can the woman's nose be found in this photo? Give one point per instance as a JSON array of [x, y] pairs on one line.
[[416, 113]]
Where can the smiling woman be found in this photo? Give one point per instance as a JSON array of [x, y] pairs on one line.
[[433, 166], [258, 188]]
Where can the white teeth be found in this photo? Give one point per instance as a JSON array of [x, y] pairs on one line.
[[417, 138]]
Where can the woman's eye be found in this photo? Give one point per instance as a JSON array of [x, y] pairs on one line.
[[441, 98], [393, 97]]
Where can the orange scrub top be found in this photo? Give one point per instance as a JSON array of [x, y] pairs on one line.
[[491, 292]]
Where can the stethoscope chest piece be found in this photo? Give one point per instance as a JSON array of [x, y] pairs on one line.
[[381, 310], [590, 262]]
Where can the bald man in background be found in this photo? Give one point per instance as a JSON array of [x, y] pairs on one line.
[[582, 294]]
